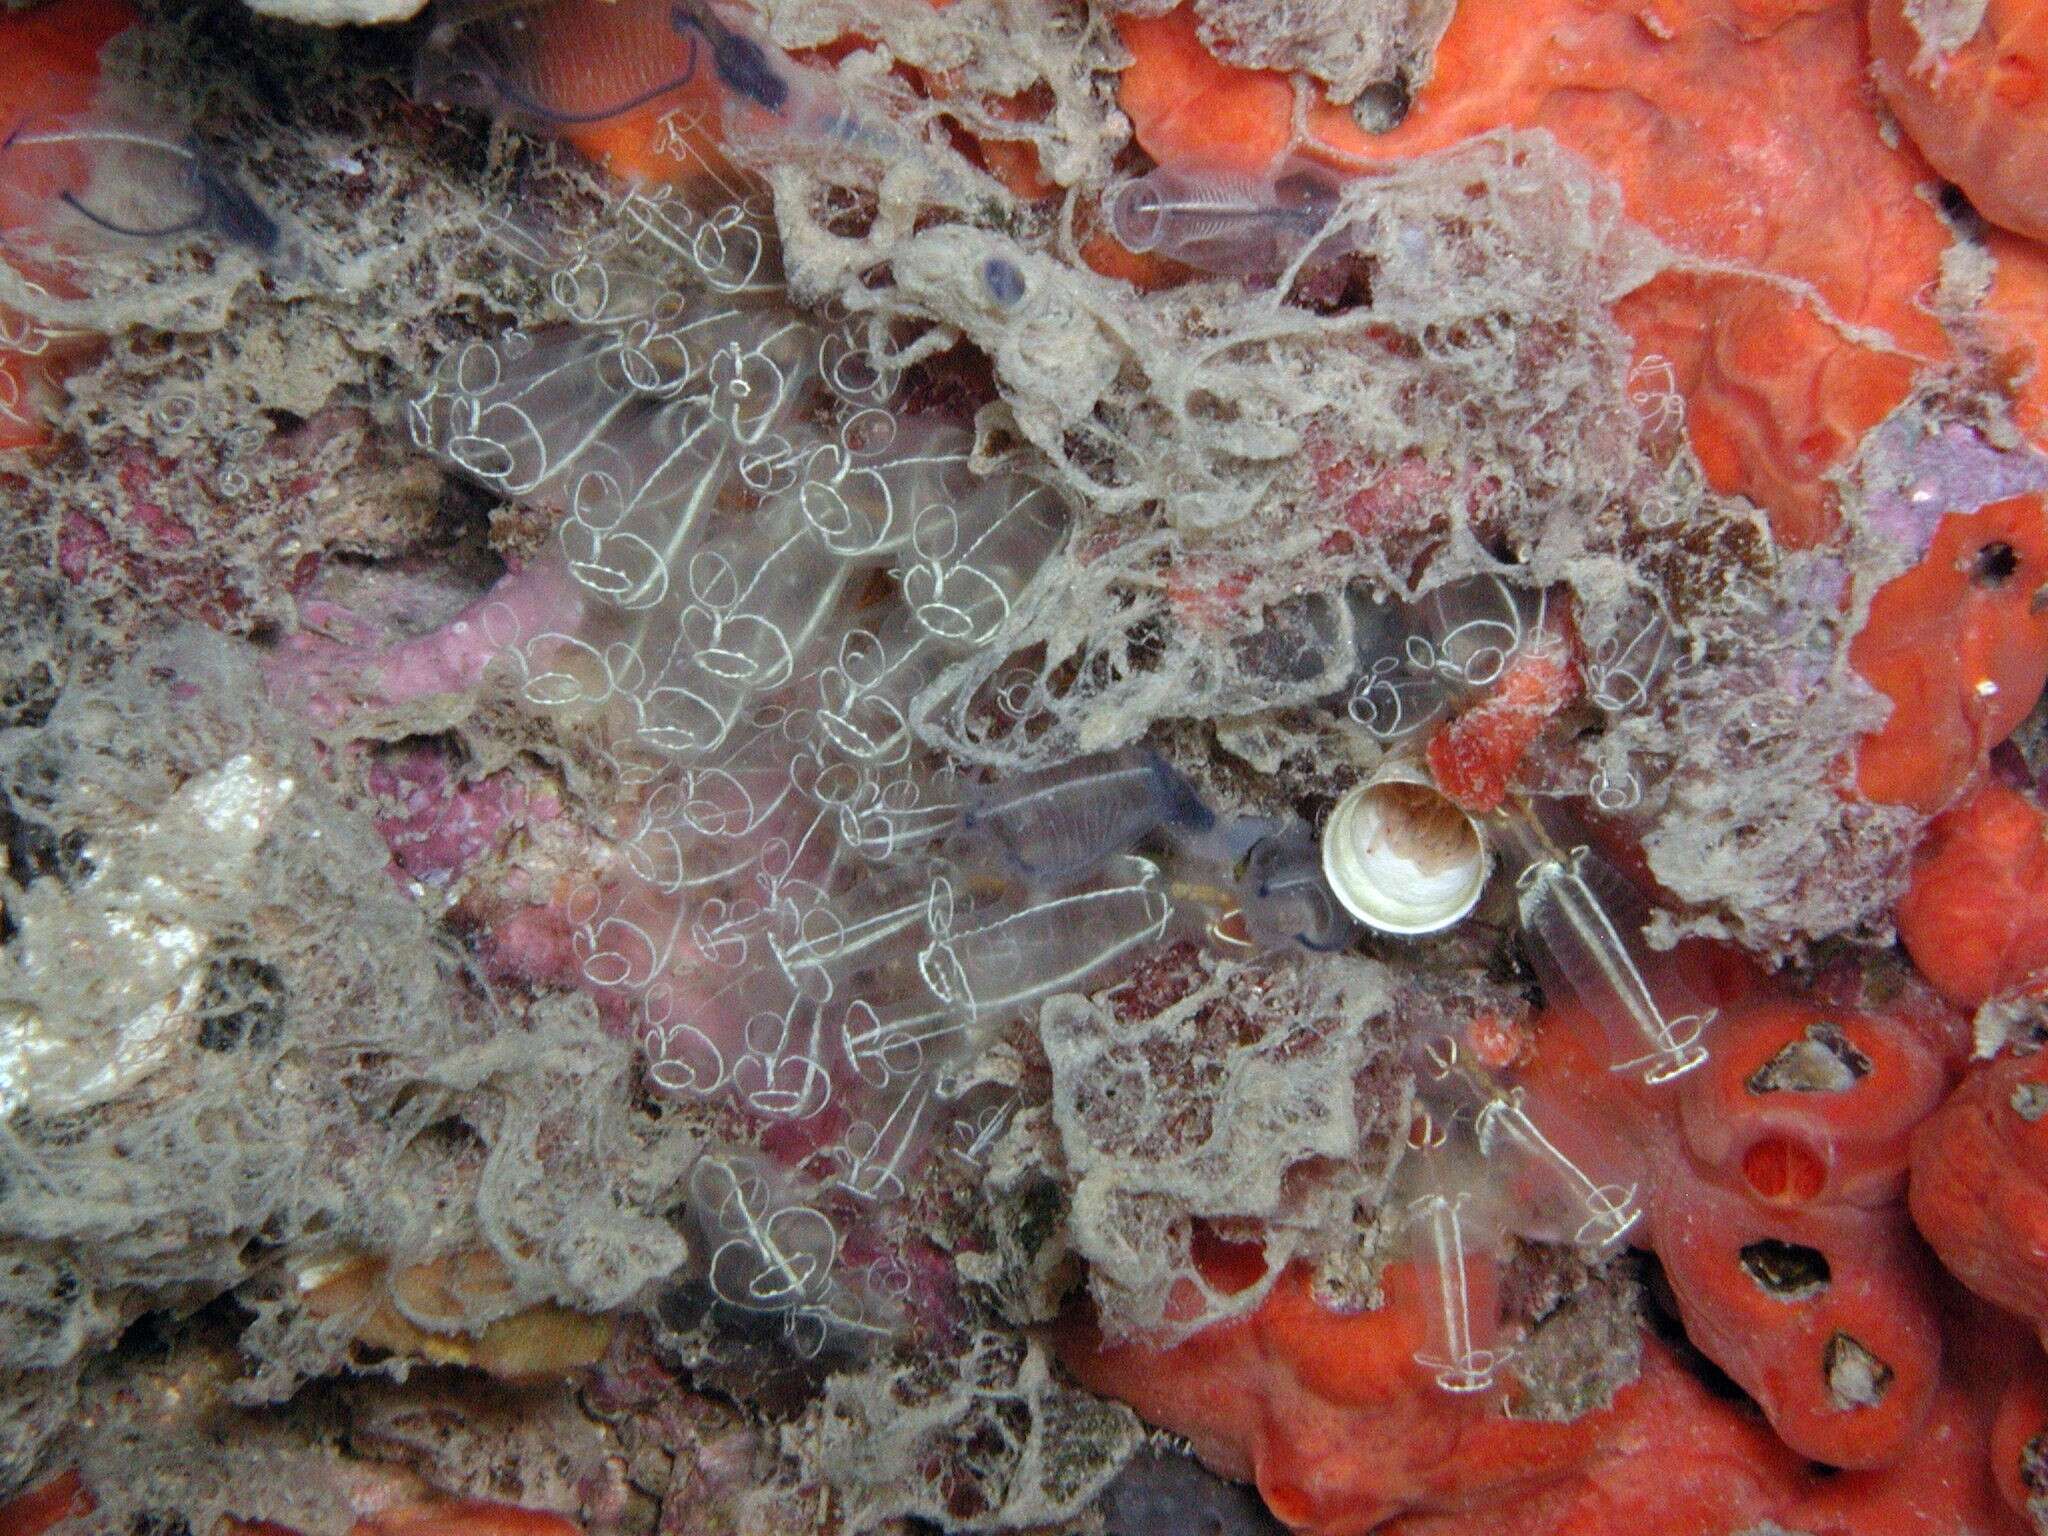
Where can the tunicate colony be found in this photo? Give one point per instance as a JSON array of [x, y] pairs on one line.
[[778, 567]]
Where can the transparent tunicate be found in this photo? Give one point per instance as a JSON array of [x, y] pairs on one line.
[[822, 947], [862, 695], [899, 1041], [889, 812], [1235, 226], [762, 560], [1552, 1195], [781, 1074], [1063, 823], [754, 613], [1416, 663], [1393, 699], [1454, 1276], [1615, 791], [875, 1157], [1583, 926], [1468, 633], [968, 564], [1604, 1212], [706, 823], [518, 423], [1659, 405], [769, 1253], [989, 963], [1624, 668], [980, 1124], [725, 240], [865, 491], [684, 1040], [1286, 898], [616, 419]]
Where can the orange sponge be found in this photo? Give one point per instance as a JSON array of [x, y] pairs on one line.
[[1741, 134], [1977, 106], [1959, 644], [1975, 918]]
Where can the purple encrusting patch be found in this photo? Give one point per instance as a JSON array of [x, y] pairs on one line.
[[445, 825], [1917, 479], [342, 659]]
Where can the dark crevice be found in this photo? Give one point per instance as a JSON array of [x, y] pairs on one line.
[[1995, 565], [36, 851], [1820, 1061], [1383, 106], [2034, 1465], [1789, 1271], [240, 1004], [1661, 1312]]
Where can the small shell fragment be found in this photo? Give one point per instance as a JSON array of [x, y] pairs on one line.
[[1401, 857]]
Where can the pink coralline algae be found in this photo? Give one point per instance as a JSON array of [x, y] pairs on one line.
[[441, 827]]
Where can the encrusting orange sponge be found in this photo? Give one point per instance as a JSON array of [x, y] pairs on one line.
[[1979, 1190], [1973, 97], [1809, 1105], [2019, 1446], [1975, 918], [1959, 644], [1774, 1174], [64, 1498], [1825, 1314], [1742, 135], [1474, 755], [1328, 1413]]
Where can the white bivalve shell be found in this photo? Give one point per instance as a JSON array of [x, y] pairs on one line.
[[1401, 857]]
